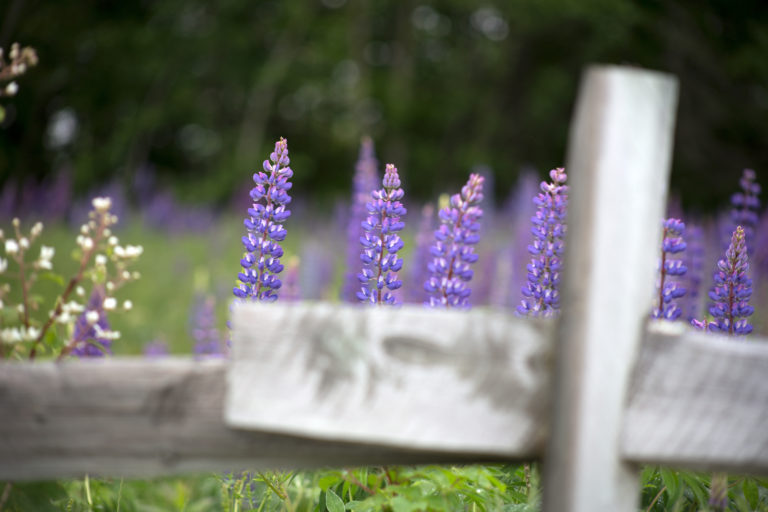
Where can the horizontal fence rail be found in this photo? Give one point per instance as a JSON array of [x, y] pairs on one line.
[[140, 418], [697, 401]]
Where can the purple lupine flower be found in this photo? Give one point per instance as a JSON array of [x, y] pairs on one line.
[[420, 257], [157, 348], [541, 296], [261, 263], [670, 268], [90, 337], [745, 207], [453, 250], [291, 288], [695, 272], [381, 241], [718, 492], [732, 289], [207, 338], [512, 259], [366, 178]]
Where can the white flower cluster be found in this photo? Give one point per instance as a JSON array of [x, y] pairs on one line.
[[20, 60], [104, 266], [97, 227], [19, 334], [69, 312]]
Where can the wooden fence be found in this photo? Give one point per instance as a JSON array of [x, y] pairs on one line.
[[593, 394]]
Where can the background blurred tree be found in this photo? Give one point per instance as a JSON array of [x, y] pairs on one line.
[[199, 90]]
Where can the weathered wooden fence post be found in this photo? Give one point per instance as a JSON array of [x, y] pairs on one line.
[[618, 164]]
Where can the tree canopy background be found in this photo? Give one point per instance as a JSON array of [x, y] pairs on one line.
[[200, 90]]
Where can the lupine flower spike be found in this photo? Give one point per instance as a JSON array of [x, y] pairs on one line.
[[92, 335], [261, 263], [695, 273], [365, 180], [453, 250], [745, 207], [669, 289], [732, 290], [540, 294], [420, 257], [381, 242], [208, 341]]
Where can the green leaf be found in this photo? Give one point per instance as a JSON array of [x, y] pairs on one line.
[[672, 483], [402, 504], [698, 487], [496, 483], [751, 492], [332, 502], [328, 481], [2, 114], [51, 276]]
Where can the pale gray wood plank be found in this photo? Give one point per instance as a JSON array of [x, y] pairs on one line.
[[699, 401], [141, 418], [618, 164], [453, 381]]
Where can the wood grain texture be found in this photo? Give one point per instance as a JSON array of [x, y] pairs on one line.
[[696, 401], [141, 418], [454, 381], [699, 401], [618, 164]]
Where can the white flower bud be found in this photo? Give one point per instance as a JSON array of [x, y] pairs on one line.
[[75, 307], [133, 251], [126, 275], [16, 222], [11, 89], [101, 260], [113, 240], [102, 204], [10, 335], [3, 265], [87, 243], [24, 243], [127, 305], [46, 253], [110, 286], [80, 291], [119, 251], [36, 230], [110, 303], [11, 247], [84, 229], [32, 333], [92, 317], [107, 232]]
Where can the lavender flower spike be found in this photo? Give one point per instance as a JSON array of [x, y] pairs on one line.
[[732, 289], [366, 178], [669, 289], [92, 334], [261, 262], [453, 249], [540, 294], [381, 242], [745, 206]]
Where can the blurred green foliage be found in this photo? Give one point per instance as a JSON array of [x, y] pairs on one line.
[[200, 90]]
